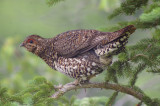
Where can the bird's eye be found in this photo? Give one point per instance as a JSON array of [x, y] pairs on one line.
[[31, 41]]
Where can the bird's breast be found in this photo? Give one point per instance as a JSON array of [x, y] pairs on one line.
[[77, 67]]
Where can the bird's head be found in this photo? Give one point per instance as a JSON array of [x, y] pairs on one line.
[[34, 44]]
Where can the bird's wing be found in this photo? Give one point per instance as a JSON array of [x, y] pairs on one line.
[[71, 43]]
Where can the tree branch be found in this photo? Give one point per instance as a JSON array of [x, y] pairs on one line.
[[105, 85]]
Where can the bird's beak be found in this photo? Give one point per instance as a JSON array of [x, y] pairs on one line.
[[21, 45]]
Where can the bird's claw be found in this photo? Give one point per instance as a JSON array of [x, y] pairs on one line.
[[58, 87]]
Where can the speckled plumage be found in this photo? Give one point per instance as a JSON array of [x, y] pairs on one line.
[[80, 54]]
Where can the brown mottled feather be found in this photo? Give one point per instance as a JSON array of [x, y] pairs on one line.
[[79, 41]]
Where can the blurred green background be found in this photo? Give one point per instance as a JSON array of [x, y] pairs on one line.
[[20, 18]]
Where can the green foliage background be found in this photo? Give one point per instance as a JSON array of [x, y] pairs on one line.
[[19, 69]]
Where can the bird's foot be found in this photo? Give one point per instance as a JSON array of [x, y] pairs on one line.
[[58, 87], [76, 83], [79, 82]]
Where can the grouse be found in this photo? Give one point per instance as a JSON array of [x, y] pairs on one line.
[[80, 54]]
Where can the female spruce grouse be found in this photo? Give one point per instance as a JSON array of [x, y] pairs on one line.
[[80, 54]]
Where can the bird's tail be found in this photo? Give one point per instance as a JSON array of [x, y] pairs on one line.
[[115, 41], [126, 31]]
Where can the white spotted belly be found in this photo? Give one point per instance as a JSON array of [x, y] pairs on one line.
[[77, 67]]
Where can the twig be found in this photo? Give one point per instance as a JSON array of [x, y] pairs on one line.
[[112, 99], [138, 56], [135, 76], [104, 85]]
